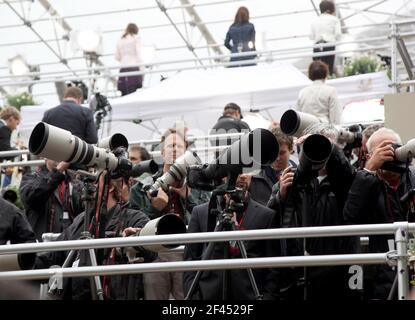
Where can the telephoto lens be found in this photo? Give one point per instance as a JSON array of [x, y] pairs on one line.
[[57, 144]]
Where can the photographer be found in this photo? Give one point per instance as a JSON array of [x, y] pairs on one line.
[[252, 216], [117, 220], [366, 134], [137, 154], [230, 122], [71, 116], [14, 226], [315, 199], [52, 197], [180, 199], [374, 197], [261, 184]]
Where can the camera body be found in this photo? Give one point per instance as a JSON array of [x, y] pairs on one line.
[[177, 172]]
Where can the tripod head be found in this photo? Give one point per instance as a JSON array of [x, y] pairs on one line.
[[228, 202]]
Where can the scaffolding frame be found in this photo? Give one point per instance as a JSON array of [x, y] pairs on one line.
[[195, 21]]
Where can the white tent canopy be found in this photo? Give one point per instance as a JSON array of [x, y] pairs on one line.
[[198, 97]]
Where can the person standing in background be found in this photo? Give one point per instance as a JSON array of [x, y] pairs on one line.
[[73, 117], [242, 35], [320, 99], [9, 120], [128, 53], [326, 29]]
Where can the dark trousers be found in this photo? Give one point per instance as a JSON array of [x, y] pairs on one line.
[[329, 60], [129, 84]]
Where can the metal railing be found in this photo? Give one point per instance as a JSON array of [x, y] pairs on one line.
[[200, 150], [267, 56], [400, 256]]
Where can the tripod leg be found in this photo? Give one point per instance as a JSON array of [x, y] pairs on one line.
[[206, 255], [67, 262], [305, 273], [244, 255], [97, 280], [195, 281], [225, 275]]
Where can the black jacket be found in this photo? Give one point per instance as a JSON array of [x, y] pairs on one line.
[[372, 201], [5, 135], [41, 193], [14, 226], [74, 118], [239, 288], [261, 185], [227, 125], [318, 204], [115, 221]]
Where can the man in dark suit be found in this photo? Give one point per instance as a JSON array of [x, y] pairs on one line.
[[71, 116], [9, 120], [253, 216]]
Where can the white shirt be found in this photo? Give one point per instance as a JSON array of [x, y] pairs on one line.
[[326, 28], [321, 100], [128, 50]]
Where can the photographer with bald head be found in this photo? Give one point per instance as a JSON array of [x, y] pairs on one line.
[[374, 197]]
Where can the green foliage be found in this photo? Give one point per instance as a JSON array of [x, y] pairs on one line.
[[23, 99], [363, 64]]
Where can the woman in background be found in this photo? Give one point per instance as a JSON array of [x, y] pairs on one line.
[[242, 35], [319, 98], [128, 52], [326, 29]]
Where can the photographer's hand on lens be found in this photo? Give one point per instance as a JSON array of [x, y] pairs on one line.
[[301, 139], [384, 152], [160, 201], [286, 182], [62, 166], [130, 231], [235, 219]]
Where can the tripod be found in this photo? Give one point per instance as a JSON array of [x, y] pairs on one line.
[[225, 223], [88, 192]]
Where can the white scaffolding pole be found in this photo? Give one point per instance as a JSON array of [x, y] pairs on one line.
[[29, 25]]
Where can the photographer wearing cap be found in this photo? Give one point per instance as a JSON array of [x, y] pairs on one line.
[[52, 197], [374, 197], [229, 122], [306, 198], [71, 116]]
